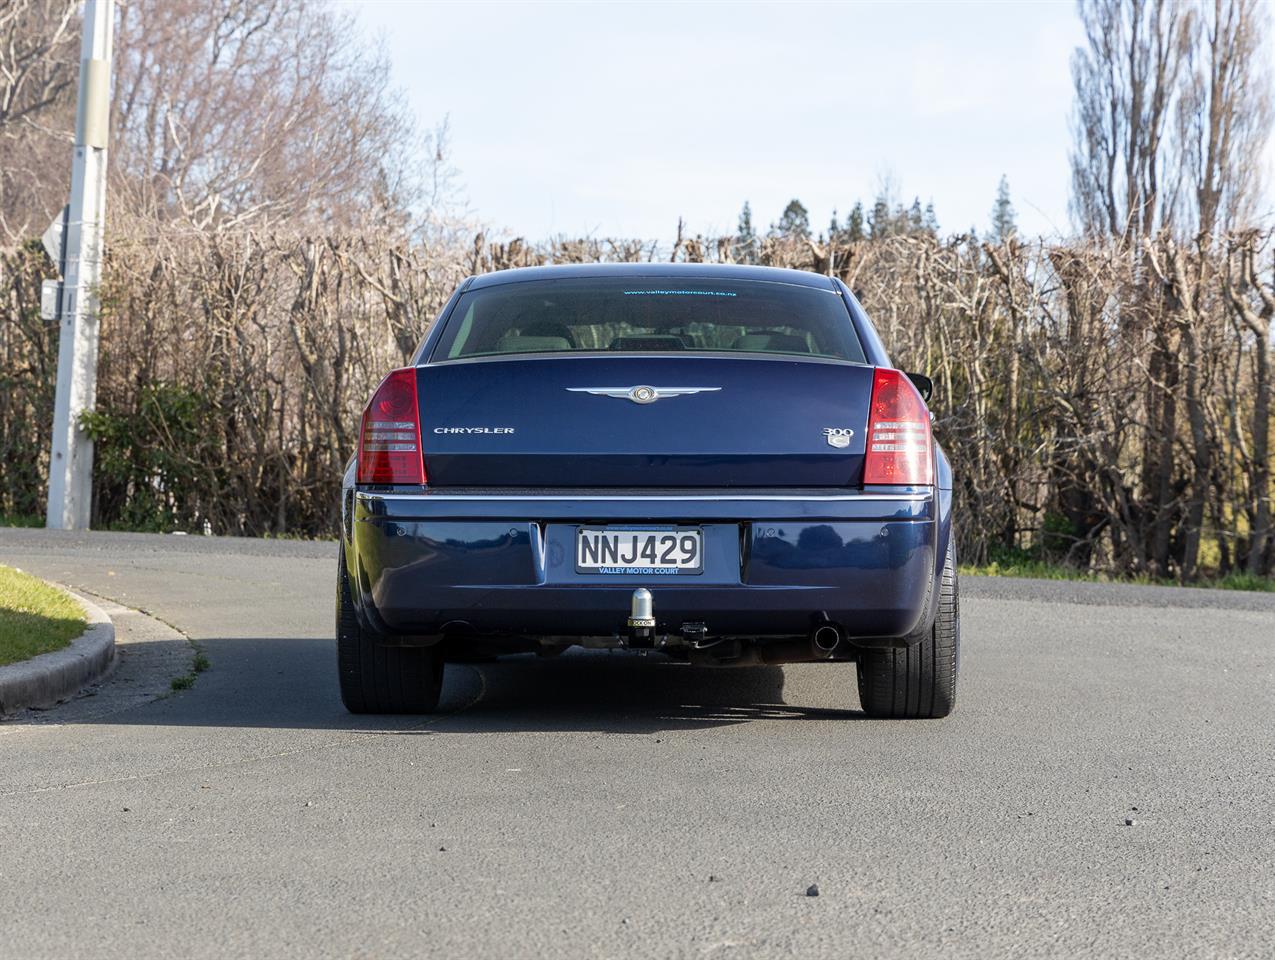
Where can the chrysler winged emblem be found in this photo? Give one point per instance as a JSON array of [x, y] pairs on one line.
[[642, 393]]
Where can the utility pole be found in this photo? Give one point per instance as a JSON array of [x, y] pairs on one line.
[[71, 459]]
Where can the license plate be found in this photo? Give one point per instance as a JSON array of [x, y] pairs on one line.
[[654, 552]]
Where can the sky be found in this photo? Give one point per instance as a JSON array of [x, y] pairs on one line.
[[617, 119]]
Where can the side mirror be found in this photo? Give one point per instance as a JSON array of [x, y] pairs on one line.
[[923, 384]]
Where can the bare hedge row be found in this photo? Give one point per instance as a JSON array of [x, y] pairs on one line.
[[1107, 406]]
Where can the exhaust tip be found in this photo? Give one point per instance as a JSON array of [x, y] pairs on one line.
[[826, 637]]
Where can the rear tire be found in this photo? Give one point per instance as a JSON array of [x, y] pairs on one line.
[[918, 681], [376, 678]]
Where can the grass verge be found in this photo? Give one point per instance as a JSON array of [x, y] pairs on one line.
[[35, 618], [1039, 570], [20, 520]]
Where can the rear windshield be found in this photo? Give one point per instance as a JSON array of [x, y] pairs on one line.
[[649, 315]]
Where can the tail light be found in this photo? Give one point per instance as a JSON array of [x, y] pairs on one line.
[[390, 437], [899, 450]]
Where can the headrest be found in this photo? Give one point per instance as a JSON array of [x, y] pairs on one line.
[[547, 328]]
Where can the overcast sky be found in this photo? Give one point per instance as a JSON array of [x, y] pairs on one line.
[[616, 119]]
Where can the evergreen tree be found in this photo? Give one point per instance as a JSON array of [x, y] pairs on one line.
[[746, 236], [1003, 225], [879, 222], [854, 223], [931, 220], [746, 223], [795, 220], [916, 219]]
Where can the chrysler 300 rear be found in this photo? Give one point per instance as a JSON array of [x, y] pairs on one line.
[[715, 463]]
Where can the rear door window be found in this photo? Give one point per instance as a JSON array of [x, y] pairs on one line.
[[649, 315]]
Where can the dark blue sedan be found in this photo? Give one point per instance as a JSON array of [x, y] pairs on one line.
[[714, 462]]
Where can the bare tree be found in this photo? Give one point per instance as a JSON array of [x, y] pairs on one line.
[[1127, 79], [249, 111], [38, 56], [1172, 110], [37, 44], [1226, 113], [1253, 303]]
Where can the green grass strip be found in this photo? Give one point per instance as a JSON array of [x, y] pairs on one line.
[[1037, 570], [35, 618], [20, 520]]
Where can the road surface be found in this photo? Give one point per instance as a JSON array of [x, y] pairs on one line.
[[609, 806]]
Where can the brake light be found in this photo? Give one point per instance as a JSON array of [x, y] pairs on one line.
[[898, 432], [390, 436]]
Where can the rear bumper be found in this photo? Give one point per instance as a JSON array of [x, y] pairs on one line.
[[501, 562]]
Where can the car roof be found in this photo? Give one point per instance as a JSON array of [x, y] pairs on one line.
[[702, 271]]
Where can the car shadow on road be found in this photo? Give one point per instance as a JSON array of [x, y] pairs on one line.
[[628, 694], [291, 684]]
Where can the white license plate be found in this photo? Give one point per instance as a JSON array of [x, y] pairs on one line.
[[640, 552]]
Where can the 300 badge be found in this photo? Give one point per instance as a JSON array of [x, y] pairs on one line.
[[838, 437]]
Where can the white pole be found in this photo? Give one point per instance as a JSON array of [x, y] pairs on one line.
[[71, 460]]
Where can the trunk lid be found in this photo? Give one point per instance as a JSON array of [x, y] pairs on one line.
[[527, 422]]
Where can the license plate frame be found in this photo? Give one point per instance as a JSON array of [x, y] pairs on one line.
[[638, 568]]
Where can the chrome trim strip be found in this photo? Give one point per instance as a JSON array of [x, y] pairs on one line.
[[642, 393], [851, 498]]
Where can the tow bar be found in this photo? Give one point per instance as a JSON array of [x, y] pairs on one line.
[[642, 618]]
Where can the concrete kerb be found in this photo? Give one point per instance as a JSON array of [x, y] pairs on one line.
[[52, 677]]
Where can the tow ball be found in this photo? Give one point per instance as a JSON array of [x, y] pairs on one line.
[[642, 618]]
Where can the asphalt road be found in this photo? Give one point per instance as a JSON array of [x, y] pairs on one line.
[[610, 806]]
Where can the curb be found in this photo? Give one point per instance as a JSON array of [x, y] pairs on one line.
[[51, 677]]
